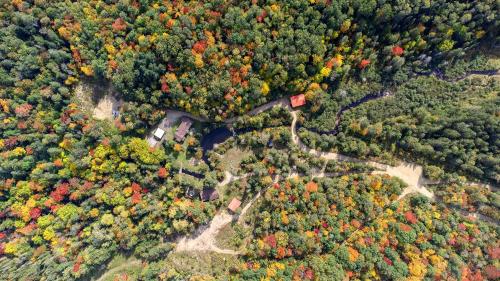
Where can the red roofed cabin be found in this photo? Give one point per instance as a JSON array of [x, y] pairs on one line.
[[234, 205], [298, 100], [183, 129]]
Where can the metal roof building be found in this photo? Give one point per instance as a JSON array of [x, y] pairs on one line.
[[183, 129], [298, 100]]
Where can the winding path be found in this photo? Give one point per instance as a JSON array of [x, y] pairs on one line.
[[411, 174], [284, 101], [229, 178], [205, 237]]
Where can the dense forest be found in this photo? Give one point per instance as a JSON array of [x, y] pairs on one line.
[[346, 227], [75, 191], [448, 125], [220, 58]]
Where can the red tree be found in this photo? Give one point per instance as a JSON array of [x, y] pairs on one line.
[[261, 17], [23, 110], [364, 63], [162, 172], [119, 25], [397, 51], [410, 217], [200, 46], [136, 198], [60, 192], [164, 87], [270, 240], [136, 187], [35, 213]]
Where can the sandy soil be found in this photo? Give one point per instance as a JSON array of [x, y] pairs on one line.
[[106, 106], [98, 99], [204, 239], [229, 178]]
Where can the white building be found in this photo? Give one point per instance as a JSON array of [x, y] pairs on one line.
[[159, 134]]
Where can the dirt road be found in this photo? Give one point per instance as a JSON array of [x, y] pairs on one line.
[[204, 238], [411, 174]]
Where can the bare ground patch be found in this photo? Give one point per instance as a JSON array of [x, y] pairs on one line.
[[106, 106], [98, 98]]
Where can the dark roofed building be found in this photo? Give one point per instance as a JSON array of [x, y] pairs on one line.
[[209, 194], [191, 192], [183, 129]]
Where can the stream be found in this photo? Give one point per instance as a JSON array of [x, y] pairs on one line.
[[440, 75], [215, 136], [206, 239], [221, 134], [338, 116]]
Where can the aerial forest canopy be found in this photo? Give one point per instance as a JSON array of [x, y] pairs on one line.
[[75, 191], [222, 58]]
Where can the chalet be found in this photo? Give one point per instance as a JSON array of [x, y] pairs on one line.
[[234, 205], [297, 100], [158, 134], [209, 194], [183, 129]]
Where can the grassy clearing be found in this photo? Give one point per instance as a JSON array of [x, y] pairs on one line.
[[232, 158], [88, 93], [232, 236], [211, 264], [169, 134], [122, 267], [234, 189], [184, 158], [494, 59], [117, 261], [477, 98], [189, 162]]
